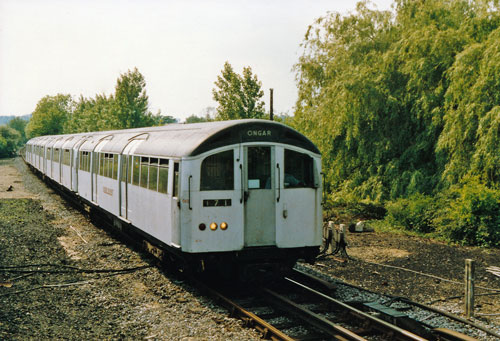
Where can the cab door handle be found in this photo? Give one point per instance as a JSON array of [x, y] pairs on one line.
[[242, 185], [279, 182], [189, 192]]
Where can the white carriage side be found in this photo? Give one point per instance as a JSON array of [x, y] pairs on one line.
[[213, 187]]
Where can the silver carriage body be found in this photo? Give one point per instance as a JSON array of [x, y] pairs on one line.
[[203, 188]]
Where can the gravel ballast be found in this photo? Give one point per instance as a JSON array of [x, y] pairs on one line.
[[56, 301]]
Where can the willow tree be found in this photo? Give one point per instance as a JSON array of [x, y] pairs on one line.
[[470, 142], [374, 94]]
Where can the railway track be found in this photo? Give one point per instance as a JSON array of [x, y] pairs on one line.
[[301, 307]]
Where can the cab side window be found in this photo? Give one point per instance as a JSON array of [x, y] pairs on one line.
[[298, 170], [217, 172]]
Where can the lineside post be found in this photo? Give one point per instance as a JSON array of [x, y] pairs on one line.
[[331, 237], [469, 288], [340, 240]]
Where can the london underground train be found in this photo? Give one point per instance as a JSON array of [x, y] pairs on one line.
[[242, 194]]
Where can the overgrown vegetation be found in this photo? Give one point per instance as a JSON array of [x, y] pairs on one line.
[[405, 108], [467, 214]]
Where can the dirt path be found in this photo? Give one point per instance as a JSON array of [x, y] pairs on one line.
[[11, 183]]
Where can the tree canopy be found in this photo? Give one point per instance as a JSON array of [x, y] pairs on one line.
[[19, 124], [403, 102], [10, 139], [239, 96], [126, 108], [131, 102], [50, 116]]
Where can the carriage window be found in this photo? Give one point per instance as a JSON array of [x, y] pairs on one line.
[[49, 152], [115, 166], [56, 155], [136, 170], [176, 179], [144, 172], [217, 172], [259, 167], [94, 157], [66, 157], [298, 170], [153, 174], [163, 176], [123, 174], [83, 160], [101, 163], [109, 165], [130, 166]]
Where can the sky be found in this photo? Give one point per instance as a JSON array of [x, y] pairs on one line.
[[81, 47]]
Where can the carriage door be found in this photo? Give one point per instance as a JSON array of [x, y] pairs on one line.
[[259, 196], [95, 170], [175, 227], [126, 172], [125, 162]]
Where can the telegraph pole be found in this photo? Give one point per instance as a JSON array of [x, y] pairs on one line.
[[271, 116]]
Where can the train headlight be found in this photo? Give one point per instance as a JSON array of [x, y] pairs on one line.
[[202, 227], [213, 226], [223, 226]]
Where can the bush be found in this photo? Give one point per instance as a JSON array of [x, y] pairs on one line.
[[9, 140], [342, 210], [472, 216], [415, 213], [467, 214]]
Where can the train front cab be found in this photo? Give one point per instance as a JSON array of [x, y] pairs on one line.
[[256, 199]]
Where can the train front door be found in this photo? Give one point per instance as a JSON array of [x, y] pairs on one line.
[[259, 196]]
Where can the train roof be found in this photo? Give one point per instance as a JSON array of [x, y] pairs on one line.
[[179, 140]]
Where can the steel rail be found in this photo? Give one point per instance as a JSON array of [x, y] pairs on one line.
[[251, 320], [420, 305], [383, 325], [452, 335], [318, 321]]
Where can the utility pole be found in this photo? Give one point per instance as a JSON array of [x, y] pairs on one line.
[[271, 116]]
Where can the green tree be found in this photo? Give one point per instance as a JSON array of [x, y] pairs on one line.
[[9, 141], [126, 108], [239, 96], [91, 114], [130, 109], [163, 119], [50, 116], [472, 116], [398, 102], [195, 119], [19, 124]]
